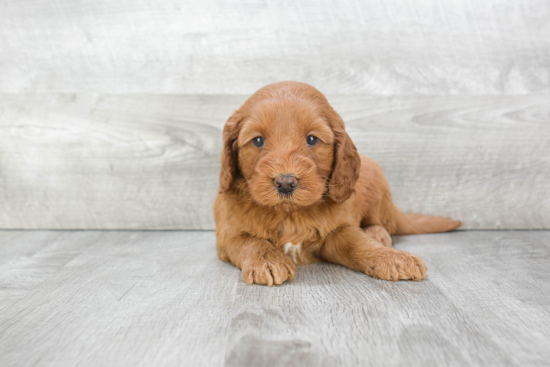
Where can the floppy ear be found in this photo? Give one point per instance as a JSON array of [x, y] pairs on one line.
[[347, 163], [228, 170]]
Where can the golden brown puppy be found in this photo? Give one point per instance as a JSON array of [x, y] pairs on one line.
[[294, 190]]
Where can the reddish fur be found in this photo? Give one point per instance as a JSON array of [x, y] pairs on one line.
[[341, 211]]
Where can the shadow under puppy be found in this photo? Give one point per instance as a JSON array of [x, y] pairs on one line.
[[294, 190]]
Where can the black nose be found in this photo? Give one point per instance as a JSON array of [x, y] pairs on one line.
[[285, 184]]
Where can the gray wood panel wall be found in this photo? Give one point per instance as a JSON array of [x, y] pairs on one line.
[[111, 112], [215, 46]]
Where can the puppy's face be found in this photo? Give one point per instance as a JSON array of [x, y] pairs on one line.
[[290, 148], [285, 153]]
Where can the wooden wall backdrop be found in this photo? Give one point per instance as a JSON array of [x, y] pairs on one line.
[[111, 111]]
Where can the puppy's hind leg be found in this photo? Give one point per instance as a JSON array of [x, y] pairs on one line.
[[380, 234]]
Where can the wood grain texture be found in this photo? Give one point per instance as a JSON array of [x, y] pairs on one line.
[[152, 161], [213, 46], [164, 299], [28, 258]]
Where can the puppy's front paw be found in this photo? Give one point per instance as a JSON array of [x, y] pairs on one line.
[[396, 265], [271, 267]]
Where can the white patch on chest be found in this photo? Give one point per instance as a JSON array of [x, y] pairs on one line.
[[293, 250]]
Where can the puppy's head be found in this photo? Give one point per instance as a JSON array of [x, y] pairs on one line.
[[290, 148]]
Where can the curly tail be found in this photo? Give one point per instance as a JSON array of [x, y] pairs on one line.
[[414, 223]]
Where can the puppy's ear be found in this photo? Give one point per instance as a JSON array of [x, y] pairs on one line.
[[229, 168], [347, 163]]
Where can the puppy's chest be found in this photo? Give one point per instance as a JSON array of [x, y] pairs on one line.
[[295, 251], [299, 235], [300, 243]]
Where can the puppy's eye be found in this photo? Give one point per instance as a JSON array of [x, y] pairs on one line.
[[258, 141], [312, 140]]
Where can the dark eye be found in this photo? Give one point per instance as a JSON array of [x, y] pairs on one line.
[[258, 141], [312, 140]]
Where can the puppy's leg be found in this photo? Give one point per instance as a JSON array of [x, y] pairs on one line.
[[259, 260], [352, 247], [379, 234]]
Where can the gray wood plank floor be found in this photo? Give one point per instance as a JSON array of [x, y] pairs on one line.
[[92, 298]]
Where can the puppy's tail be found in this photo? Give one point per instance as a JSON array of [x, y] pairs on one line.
[[414, 223]]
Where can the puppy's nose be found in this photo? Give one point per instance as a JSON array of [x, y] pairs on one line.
[[285, 184]]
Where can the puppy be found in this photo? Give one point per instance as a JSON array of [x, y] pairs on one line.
[[294, 190]]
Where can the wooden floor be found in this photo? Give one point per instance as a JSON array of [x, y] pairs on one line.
[[93, 298]]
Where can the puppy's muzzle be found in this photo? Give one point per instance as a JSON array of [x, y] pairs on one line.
[[285, 184]]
